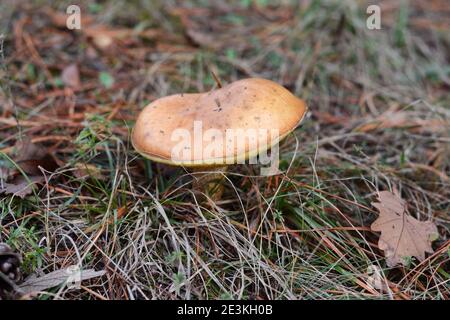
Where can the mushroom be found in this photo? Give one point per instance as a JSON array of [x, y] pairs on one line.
[[208, 131]]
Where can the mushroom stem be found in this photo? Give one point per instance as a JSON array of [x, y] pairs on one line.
[[209, 181]]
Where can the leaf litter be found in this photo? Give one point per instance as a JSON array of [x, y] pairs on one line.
[[56, 278], [31, 159], [402, 236]]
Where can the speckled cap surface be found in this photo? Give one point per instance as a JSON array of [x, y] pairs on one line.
[[250, 104]]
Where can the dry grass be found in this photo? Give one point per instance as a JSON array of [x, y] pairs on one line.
[[379, 120]]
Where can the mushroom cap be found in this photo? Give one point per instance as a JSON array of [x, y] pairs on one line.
[[183, 129]]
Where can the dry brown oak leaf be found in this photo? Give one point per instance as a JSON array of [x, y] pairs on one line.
[[402, 236]]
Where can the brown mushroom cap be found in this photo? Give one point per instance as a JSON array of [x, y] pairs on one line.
[[248, 104]]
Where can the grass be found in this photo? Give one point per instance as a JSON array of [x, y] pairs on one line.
[[379, 120]]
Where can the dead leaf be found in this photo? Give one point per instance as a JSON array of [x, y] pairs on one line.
[[30, 157], [104, 36], [203, 39], [57, 278], [70, 76], [28, 150], [402, 236], [20, 186], [403, 120], [86, 170]]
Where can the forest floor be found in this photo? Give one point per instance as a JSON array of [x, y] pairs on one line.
[[379, 119]]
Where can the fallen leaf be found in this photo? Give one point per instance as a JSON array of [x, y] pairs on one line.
[[86, 170], [20, 186], [30, 157], [28, 150], [203, 39], [402, 236], [103, 36], [403, 120], [70, 76], [57, 278]]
